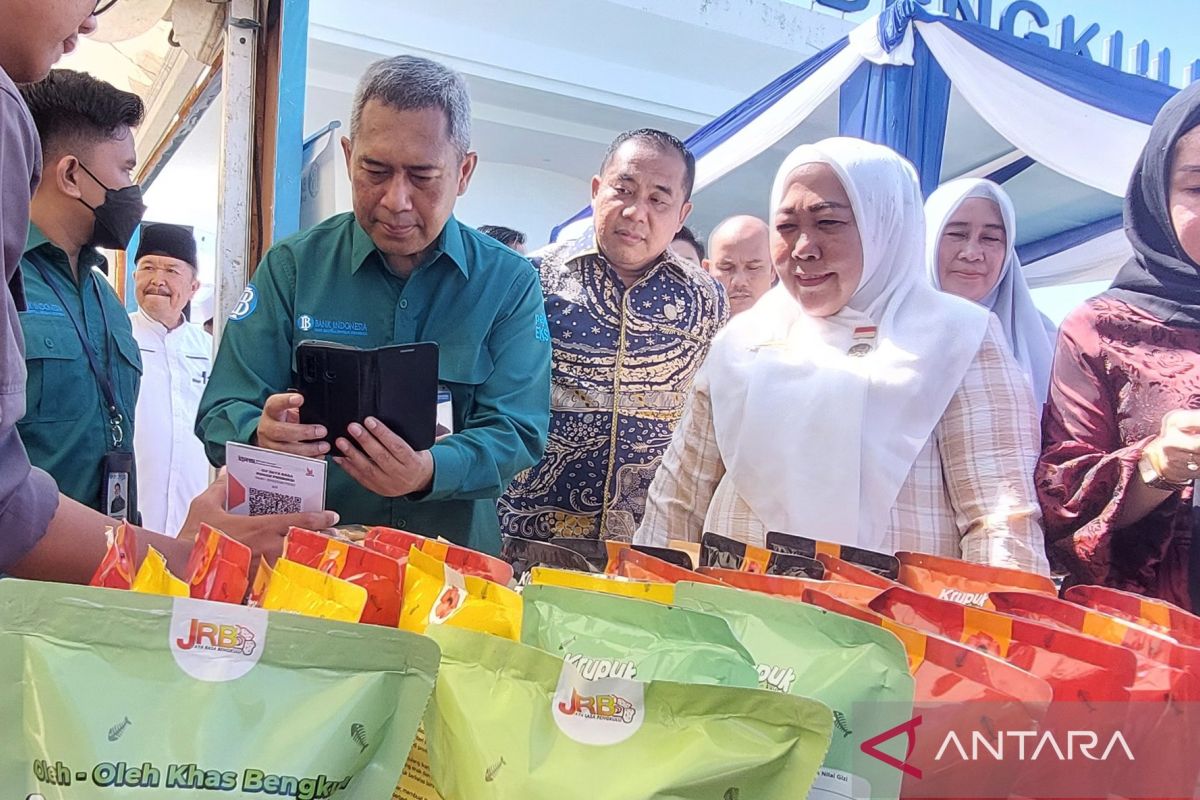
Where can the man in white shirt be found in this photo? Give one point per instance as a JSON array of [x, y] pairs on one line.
[[177, 360]]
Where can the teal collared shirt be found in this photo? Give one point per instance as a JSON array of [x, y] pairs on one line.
[[481, 302], [66, 423]]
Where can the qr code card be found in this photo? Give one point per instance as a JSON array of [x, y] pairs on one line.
[[266, 482]]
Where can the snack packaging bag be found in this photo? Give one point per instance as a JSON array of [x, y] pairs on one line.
[[1157, 615], [379, 574], [1165, 691], [957, 689], [725, 553], [1076, 667], [779, 585], [838, 569], [1090, 679], [527, 554], [436, 594], [117, 568], [459, 558], [639, 566], [675, 557], [605, 636], [882, 564], [304, 590], [130, 695], [594, 551], [683, 546], [966, 583], [849, 665], [218, 567], [258, 587], [608, 740], [153, 577], [654, 591]]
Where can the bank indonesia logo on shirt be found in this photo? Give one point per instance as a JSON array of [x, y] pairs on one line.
[[332, 327], [246, 303]]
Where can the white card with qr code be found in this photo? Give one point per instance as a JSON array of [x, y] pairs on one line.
[[266, 482]]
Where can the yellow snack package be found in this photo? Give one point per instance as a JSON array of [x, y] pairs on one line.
[[304, 590], [153, 577], [435, 594], [623, 587]]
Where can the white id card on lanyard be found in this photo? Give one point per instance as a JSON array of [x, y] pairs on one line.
[[445, 412]]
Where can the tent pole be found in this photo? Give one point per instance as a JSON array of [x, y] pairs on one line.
[[237, 141]]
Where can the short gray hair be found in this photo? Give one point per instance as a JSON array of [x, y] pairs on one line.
[[410, 83]]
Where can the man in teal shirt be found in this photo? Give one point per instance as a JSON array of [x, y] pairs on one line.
[[83, 362], [400, 269]]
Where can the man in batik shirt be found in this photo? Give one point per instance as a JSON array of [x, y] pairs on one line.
[[630, 324]]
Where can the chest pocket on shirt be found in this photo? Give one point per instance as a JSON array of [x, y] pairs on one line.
[[52, 357], [463, 368], [127, 372]]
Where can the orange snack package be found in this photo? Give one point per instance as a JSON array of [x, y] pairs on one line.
[[725, 553], [437, 594], [375, 572], [963, 582], [639, 566], [676, 557], [396, 543], [784, 586], [957, 689], [1158, 615], [119, 564], [218, 568], [838, 569]]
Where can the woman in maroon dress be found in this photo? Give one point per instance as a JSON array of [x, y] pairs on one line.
[[1121, 433]]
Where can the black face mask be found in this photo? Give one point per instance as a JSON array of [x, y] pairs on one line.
[[117, 217]]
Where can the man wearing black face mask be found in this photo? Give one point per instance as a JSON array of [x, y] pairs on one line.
[[83, 362]]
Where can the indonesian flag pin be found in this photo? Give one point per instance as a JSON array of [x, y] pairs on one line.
[[864, 339]]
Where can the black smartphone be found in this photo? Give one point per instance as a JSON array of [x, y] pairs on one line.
[[397, 384]]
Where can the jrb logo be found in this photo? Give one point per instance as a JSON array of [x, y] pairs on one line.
[[607, 707], [223, 638]]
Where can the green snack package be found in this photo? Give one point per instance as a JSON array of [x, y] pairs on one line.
[[609, 636], [510, 721], [107, 693], [849, 665]]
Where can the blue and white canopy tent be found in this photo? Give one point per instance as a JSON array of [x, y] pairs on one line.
[[1060, 132]]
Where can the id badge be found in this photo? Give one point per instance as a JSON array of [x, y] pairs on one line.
[[117, 468], [445, 412]]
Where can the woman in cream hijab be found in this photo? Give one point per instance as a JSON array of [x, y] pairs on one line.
[[971, 249], [854, 403]]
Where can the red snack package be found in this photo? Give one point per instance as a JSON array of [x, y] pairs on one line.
[[379, 574], [1157, 615], [958, 689], [218, 568], [1163, 696], [838, 569], [119, 564], [1075, 666], [396, 543], [782, 586], [963, 582], [643, 567]]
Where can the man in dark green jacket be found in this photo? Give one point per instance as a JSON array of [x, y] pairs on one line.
[[399, 269]]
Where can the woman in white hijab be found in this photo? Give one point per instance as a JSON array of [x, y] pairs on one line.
[[854, 403], [971, 251]]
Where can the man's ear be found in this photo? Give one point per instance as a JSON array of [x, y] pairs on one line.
[[465, 171], [66, 174], [348, 149], [684, 212]]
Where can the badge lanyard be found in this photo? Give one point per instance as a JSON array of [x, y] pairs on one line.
[[115, 418]]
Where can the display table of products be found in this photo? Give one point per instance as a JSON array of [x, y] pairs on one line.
[[379, 663]]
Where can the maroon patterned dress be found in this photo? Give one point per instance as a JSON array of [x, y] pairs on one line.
[[1117, 372]]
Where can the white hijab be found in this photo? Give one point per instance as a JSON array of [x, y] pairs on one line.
[[1031, 336], [819, 442]]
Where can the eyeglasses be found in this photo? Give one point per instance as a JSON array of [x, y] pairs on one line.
[[102, 6]]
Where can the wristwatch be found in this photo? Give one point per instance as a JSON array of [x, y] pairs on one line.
[[1154, 479]]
